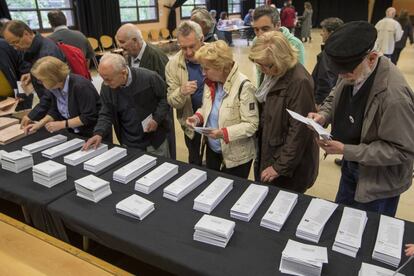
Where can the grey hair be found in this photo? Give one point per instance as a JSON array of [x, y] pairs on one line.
[[202, 15], [117, 61], [186, 27], [135, 34], [331, 24]]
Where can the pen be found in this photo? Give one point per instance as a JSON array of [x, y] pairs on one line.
[[404, 264]]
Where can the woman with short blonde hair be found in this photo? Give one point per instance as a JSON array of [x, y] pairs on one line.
[[75, 102], [229, 115], [288, 154]]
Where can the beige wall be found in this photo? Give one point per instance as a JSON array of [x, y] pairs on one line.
[[163, 13], [404, 4]]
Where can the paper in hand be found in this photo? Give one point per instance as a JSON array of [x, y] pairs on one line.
[[145, 122], [323, 133], [203, 130]]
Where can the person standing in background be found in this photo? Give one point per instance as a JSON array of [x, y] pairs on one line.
[[288, 16], [389, 32], [407, 27], [307, 22]]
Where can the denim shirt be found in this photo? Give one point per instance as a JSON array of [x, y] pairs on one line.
[[213, 117]]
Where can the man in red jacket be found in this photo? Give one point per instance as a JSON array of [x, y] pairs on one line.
[[288, 16]]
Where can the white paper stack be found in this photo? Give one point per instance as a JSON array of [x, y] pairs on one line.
[[349, 235], [213, 195], [92, 188], [185, 184], [132, 170], [49, 173], [16, 161], [104, 160], [135, 207], [214, 230], [303, 259], [249, 202], [373, 270], [388, 246], [154, 179], [81, 156], [279, 211], [44, 144], [1, 154], [313, 221], [63, 148]]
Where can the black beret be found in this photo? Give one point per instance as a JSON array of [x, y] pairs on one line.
[[349, 45]]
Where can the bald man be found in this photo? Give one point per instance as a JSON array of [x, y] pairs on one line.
[[389, 32], [134, 101]]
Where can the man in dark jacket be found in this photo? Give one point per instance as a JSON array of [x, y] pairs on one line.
[[34, 46], [134, 100]]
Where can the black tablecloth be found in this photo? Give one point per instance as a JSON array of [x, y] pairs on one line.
[[165, 238], [20, 188]]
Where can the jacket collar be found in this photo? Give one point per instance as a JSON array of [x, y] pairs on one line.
[[231, 78], [284, 80], [36, 45]]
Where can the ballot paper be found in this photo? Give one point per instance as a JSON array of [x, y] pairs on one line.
[[349, 235], [63, 148], [11, 134], [19, 89], [388, 245], [6, 122], [313, 221], [135, 207], [145, 122], [214, 230], [16, 161], [373, 270], [92, 188], [213, 195], [104, 160], [132, 170], [154, 179], [185, 184], [203, 130], [249, 202], [303, 259], [81, 156], [279, 210], [49, 173], [1, 154], [323, 133], [44, 144]]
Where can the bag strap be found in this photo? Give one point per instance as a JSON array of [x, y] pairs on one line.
[[241, 86]]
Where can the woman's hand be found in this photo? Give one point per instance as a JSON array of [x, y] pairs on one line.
[[409, 250], [31, 128], [192, 121], [55, 126], [214, 134]]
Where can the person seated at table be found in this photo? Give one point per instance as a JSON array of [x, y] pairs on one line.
[[75, 102], [248, 18], [289, 155], [229, 109]]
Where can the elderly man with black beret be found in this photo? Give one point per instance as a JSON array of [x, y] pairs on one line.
[[371, 110]]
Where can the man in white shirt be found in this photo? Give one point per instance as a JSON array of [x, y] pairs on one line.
[[389, 32]]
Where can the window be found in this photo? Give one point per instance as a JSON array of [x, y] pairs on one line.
[[141, 11], [234, 6], [189, 5], [260, 3], [34, 12]]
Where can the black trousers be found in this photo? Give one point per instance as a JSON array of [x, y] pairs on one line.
[[214, 161], [193, 146]]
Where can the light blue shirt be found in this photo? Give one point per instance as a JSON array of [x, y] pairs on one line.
[[61, 96], [213, 117]]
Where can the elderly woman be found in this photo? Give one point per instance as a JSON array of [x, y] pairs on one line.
[[75, 102], [229, 112], [288, 150]]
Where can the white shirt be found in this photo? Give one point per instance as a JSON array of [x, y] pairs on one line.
[[135, 62], [389, 32]]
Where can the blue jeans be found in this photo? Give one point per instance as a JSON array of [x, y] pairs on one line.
[[347, 187]]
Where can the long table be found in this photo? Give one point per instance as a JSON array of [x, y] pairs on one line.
[[164, 239]]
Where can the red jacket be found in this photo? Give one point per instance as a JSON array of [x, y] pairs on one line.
[[287, 17]]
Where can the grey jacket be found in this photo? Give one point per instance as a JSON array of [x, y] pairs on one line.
[[385, 154]]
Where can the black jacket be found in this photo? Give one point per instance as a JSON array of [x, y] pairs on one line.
[[153, 59], [83, 101], [11, 63], [323, 78], [147, 95], [41, 47], [408, 34]]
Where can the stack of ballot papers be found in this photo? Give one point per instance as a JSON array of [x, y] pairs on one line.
[[49, 173], [279, 211], [214, 230], [1, 154], [156, 178], [349, 235], [81, 156], [132, 170], [16, 161], [388, 246], [92, 188], [313, 221], [303, 259], [213, 195], [104, 160], [11, 134], [6, 122], [44, 144], [63, 148], [373, 270], [135, 207], [8, 106], [249, 202], [185, 184]]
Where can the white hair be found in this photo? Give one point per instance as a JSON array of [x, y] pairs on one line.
[[202, 15], [135, 33], [186, 27], [117, 61]]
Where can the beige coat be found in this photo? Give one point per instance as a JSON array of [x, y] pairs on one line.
[[239, 119], [385, 154], [176, 75]]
